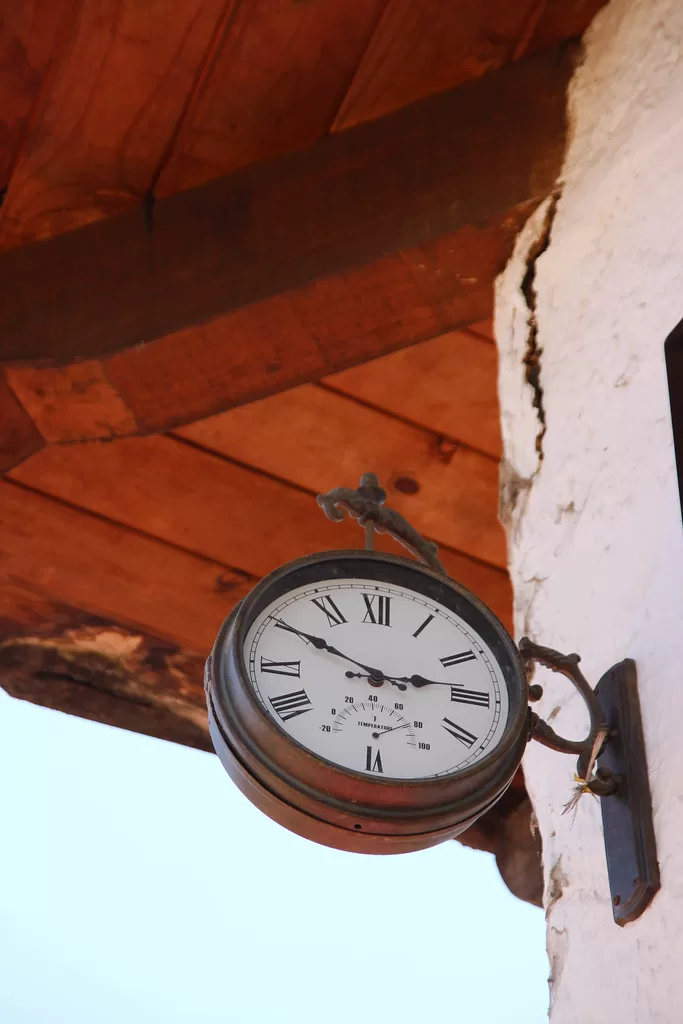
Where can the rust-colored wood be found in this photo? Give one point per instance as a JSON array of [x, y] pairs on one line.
[[19, 436], [62, 658], [352, 197], [280, 342], [301, 335], [424, 48], [63, 554], [277, 76], [318, 439], [33, 34], [215, 508], [448, 385], [72, 403], [101, 128]]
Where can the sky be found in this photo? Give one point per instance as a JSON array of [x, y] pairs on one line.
[[137, 884]]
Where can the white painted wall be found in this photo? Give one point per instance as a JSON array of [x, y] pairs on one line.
[[595, 535]]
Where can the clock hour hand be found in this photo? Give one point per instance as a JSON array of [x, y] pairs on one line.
[[418, 680], [374, 674]]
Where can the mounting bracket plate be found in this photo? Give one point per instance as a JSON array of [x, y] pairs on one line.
[[627, 823]]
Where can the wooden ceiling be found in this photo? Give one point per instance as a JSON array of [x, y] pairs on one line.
[[284, 216]]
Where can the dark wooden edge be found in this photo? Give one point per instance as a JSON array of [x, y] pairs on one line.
[[673, 350], [630, 844]]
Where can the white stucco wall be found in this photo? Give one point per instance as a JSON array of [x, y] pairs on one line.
[[594, 526]]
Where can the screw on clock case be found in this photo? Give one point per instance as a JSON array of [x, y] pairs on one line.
[[324, 802]]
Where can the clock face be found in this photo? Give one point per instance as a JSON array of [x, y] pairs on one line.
[[377, 678]]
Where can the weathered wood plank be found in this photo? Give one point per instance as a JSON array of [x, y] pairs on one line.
[[318, 439], [219, 510], [71, 403], [62, 658], [423, 48], [93, 148], [32, 37], [65, 555], [408, 178], [19, 436], [448, 385], [275, 82]]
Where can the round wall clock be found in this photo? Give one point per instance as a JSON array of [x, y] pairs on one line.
[[371, 703], [366, 701]]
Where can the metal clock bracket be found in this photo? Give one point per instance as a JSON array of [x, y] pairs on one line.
[[612, 766], [611, 759]]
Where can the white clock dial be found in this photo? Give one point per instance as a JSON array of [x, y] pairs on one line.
[[377, 678]]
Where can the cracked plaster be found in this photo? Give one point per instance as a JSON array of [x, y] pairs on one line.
[[593, 518]]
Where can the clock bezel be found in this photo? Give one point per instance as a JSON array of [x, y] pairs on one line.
[[267, 762]]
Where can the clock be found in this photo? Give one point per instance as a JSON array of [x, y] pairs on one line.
[[367, 702], [371, 703]]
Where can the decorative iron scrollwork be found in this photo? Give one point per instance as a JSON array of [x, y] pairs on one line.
[[365, 505], [589, 749]]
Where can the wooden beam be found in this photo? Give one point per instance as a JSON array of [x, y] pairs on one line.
[[412, 176], [73, 662], [267, 347], [209, 506]]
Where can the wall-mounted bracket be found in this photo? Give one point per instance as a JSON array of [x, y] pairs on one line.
[[615, 748]]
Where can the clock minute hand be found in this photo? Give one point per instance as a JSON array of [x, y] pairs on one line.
[[322, 645]]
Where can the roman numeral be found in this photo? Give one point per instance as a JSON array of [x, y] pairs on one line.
[[461, 734], [423, 626], [281, 668], [380, 612], [373, 765], [462, 696], [327, 605], [458, 659], [289, 705]]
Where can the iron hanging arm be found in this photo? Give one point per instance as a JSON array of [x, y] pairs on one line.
[[365, 505]]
